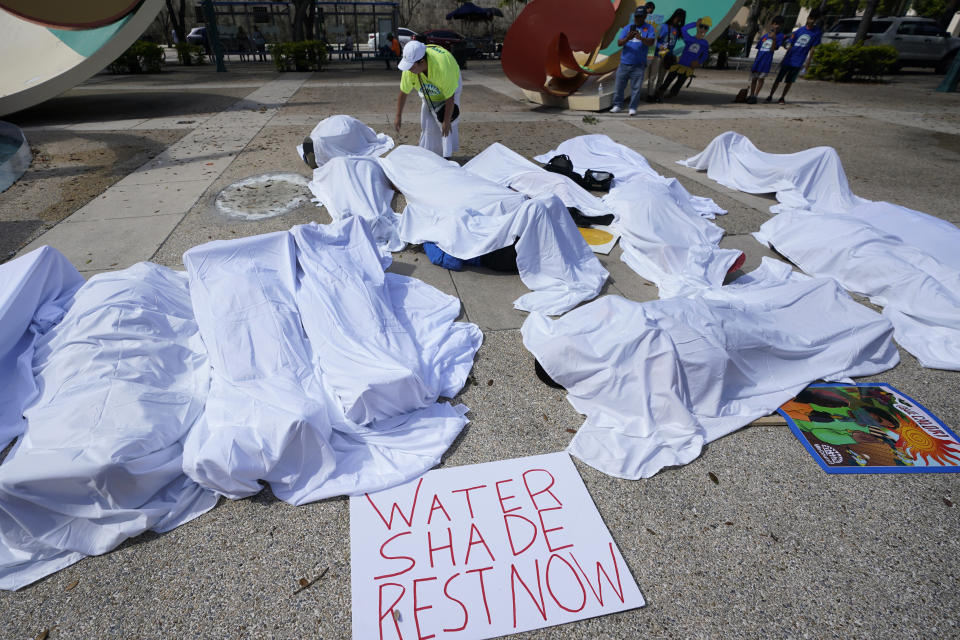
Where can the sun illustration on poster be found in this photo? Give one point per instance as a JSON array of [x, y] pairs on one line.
[[916, 442]]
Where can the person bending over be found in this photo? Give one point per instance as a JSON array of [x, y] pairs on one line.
[[434, 73]]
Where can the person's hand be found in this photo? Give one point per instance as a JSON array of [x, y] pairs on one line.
[[445, 129], [396, 123]]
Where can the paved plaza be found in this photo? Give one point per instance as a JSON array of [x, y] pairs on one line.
[[751, 540]]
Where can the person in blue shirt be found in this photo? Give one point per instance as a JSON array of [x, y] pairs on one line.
[[663, 57], [635, 38], [770, 41], [800, 48], [696, 52]]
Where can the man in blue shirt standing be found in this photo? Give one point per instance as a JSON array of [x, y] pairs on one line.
[[799, 53], [635, 39]]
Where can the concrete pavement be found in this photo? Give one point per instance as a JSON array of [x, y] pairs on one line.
[[777, 548]]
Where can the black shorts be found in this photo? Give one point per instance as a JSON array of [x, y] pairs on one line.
[[787, 74]]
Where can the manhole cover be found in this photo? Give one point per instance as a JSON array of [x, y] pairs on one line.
[[264, 196]]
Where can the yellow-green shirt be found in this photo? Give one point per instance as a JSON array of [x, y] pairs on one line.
[[440, 80]]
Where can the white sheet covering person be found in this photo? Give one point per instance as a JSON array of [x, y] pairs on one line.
[[667, 237], [468, 216], [326, 370], [905, 261], [352, 185], [508, 168], [342, 135], [35, 292], [659, 380], [809, 179], [121, 379], [435, 74]]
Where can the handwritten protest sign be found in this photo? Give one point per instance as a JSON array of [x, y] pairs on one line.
[[481, 551]]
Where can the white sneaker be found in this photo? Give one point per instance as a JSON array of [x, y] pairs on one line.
[[633, 112], [615, 109]]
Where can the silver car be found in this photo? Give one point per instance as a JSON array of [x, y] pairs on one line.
[[920, 42]]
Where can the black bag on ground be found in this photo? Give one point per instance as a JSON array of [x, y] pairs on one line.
[[564, 166], [597, 180]]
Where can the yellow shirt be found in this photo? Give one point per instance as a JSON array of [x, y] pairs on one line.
[[441, 79]]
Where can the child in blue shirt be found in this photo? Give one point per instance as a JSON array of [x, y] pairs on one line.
[[799, 53], [663, 57], [695, 53], [769, 42]]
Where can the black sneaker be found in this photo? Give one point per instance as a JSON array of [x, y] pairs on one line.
[[769, 99], [751, 99], [781, 101]]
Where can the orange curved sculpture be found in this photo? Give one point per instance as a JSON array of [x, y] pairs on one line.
[[554, 45], [70, 14]]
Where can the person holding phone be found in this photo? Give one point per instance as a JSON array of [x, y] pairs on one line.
[[635, 39]]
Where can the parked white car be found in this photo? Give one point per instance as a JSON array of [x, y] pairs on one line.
[[377, 40], [920, 42]]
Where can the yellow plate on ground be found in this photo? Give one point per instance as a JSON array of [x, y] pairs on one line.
[[595, 236]]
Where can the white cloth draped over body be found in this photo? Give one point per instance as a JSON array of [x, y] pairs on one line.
[[667, 236], [468, 216], [809, 179], [35, 292], [659, 380], [508, 168], [356, 186], [291, 358], [903, 260], [121, 379], [325, 370], [343, 135]]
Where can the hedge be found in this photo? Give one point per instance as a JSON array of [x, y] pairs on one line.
[[843, 64], [141, 57], [190, 54], [306, 55]]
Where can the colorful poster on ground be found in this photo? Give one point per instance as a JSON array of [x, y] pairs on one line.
[[483, 550], [870, 428]]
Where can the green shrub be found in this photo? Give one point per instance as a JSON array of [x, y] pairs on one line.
[[141, 57], [306, 55], [844, 64], [189, 54]]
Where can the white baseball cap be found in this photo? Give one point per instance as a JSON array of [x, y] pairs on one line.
[[413, 51]]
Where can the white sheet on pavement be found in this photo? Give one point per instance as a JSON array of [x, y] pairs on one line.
[[508, 168], [808, 179], [326, 370], [342, 135], [659, 380], [356, 186], [468, 216], [667, 236], [121, 380], [35, 292], [905, 261]]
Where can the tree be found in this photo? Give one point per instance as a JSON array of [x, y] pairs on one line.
[[868, 12], [753, 25], [300, 10], [179, 19]]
